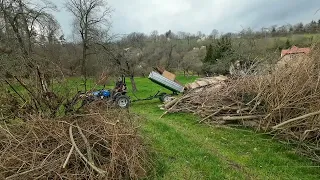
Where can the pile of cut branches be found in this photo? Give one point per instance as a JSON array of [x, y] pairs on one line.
[[285, 102], [99, 144]]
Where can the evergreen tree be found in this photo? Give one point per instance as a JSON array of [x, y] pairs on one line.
[[223, 47], [209, 55], [288, 44], [291, 29]]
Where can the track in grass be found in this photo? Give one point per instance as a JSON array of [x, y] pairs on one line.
[[184, 149]]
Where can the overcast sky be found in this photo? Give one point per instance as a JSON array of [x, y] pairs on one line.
[[200, 15]]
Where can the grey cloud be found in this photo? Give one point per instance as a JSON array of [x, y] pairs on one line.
[[280, 12], [205, 15]]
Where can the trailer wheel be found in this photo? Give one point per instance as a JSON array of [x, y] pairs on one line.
[[123, 101], [165, 98]]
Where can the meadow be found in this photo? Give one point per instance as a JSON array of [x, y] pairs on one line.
[[184, 149]]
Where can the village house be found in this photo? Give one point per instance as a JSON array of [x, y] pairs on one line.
[[292, 56], [294, 51]]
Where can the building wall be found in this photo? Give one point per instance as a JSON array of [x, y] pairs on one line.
[[291, 60]]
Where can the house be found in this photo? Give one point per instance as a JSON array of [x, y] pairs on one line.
[[203, 47], [295, 50], [293, 57]]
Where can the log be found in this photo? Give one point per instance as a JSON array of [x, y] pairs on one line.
[[236, 118], [215, 113], [171, 103]]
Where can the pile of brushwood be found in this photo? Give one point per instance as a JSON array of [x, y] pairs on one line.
[[38, 140], [100, 144], [285, 103]]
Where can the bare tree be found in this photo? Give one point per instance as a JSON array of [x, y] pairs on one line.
[[181, 35], [22, 20], [130, 51], [90, 18], [214, 34], [192, 61], [200, 34], [154, 35]]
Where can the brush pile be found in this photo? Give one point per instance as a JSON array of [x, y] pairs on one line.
[[99, 144], [285, 102]]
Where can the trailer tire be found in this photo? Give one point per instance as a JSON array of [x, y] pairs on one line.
[[165, 98]]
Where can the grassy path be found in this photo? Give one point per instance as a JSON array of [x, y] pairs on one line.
[[184, 149]]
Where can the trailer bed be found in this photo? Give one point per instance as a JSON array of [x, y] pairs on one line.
[[165, 82]]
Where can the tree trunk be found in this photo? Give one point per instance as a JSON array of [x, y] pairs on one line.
[[184, 73], [83, 66], [133, 84], [26, 28]]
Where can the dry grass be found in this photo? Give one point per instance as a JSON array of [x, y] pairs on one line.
[[99, 144]]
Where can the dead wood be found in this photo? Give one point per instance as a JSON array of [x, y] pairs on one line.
[[270, 102], [54, 148]]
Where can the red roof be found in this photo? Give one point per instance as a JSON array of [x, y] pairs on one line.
[[295, 50]]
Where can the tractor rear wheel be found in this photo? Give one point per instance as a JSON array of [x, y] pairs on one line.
[[123, 101]]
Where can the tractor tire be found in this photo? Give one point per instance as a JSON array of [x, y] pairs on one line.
[[123, 101], [165, 98]]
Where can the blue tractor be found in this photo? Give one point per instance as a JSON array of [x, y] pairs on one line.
[[118, 95]]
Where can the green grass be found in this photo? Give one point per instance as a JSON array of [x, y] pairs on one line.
[[183, 149]]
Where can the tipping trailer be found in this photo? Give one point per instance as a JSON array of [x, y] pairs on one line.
[[159, 79]]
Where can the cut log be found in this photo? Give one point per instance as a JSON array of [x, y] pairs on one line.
[[237, 118], [171, 103], [202, 82]]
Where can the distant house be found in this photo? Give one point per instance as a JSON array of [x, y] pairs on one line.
[[293, 56], [295, 50]]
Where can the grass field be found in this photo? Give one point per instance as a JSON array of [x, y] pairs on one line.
[[183, 149]]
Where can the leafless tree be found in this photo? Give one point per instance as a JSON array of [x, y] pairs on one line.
[[91, 17], [22, 21], [192, 61], [154, 35], [214, 34], [130, 55], [200, 34]]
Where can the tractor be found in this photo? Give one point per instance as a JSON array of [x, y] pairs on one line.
[[118, 95]]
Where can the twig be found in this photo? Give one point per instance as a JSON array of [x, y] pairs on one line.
[[68, 157], [50, 154], [215, 113], [25, 172], [254, 99], [98, 170], [176, 102], [87, 144], [296, 119], [15, 91]]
